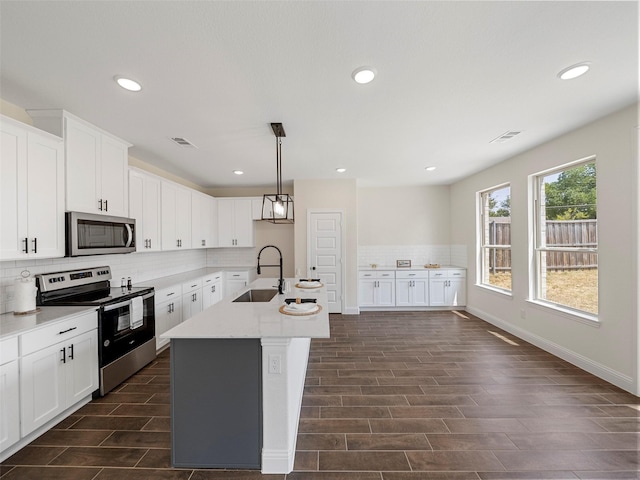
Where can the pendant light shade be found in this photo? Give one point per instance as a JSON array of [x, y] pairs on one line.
[[278, 207]]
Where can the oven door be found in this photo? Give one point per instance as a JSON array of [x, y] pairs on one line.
[[120, 333]]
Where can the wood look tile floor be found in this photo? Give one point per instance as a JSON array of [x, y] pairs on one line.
[[390, 396]]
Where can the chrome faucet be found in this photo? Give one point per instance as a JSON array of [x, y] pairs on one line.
[[281, 279]]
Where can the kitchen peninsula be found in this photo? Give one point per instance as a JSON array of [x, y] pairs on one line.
[[237, 378]]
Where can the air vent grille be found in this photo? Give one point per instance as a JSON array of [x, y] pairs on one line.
[[182, 142], [506, 136]]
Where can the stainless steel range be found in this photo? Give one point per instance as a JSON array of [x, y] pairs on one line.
[[126, 318]]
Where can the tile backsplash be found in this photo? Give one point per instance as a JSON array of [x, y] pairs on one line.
[[386, 255]]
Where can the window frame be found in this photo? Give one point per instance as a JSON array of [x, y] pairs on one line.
[[484, 249], [538, 237]]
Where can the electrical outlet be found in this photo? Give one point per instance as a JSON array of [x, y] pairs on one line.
[[275, 364]]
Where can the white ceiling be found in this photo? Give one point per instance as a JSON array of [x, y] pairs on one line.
[[451, 77]]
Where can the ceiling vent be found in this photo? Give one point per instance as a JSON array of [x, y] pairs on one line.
[[182, 142], [506, 136]]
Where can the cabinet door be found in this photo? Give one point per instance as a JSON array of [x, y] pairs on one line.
[[420, 292], [226, 219], [385, 292], [45, 194], [13, 191], [114, 190], [403, 292], [244, 223], [366, 292], [183, 217], [198, 239], [136, 209], [151, 213], [211, 294], [42, 391], [162, 313], [82, 153], [168, 209], [9, 405], [456, 292], [191, 304], [81, 366], [438, 292]]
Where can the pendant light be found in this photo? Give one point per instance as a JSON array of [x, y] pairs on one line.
[[278, 207]]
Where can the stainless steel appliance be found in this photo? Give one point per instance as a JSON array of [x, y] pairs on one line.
[[90, 234], [126, 318]]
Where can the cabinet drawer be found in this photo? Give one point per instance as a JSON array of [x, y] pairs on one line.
[[448, 273], [209, 279], [51, 334], [378, 274], [8, 350], [410, 274], [237, 276], [191, 286], [168, 293], [457, 273]]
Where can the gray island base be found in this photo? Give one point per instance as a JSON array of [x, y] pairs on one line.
[[216, 403], [237, 378]]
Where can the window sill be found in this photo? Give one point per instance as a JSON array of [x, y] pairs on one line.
[[574, 315], [499, 291]]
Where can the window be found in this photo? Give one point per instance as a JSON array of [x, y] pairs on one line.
[[566, 241], [495, 237]]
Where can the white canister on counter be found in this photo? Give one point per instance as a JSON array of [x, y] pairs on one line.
[[25, 294]]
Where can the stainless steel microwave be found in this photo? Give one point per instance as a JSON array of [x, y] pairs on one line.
[[90, 234]]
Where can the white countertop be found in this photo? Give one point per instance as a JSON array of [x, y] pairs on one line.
[[171, 280], [413, 267], [11, 324], [226, 319]]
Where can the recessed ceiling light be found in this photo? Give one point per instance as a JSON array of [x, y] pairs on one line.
[[238, 172], [128, 84], [364, 75], [574, 71], [429, 169], [341, 170]]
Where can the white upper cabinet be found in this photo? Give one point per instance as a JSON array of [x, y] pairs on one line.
[[96, 164], [176, 216], [144, 207], [235, 222], [203, 221], [31, 192]]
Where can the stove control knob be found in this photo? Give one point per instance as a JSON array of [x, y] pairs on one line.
[[107, 343]]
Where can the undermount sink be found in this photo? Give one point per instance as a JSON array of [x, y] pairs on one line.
[[257, 295]]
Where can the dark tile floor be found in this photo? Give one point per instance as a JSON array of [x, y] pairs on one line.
[[390, 396]]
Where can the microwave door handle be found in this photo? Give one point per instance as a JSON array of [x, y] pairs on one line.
[[129, 235]]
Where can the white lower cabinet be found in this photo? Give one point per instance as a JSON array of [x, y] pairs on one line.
[[234, 282], [377, 289], [211, 290], [168, 306], [447, 288], [55, 374], [191, 298], [412, 289], [9, 393]]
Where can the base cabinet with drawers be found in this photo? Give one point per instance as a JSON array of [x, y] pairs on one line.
[[211, 289], [46, 373], [191, 298], [377, 289], [447, 287], [58, 368], [442, 287], [168, 306], [412, 289]]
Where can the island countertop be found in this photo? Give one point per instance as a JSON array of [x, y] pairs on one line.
[[227, 319]]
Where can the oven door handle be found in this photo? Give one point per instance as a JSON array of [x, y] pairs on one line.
[[129, 235], [108, 308]]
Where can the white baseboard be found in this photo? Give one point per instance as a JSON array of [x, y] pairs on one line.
[[351, 311], [277, 461], [606, 373]]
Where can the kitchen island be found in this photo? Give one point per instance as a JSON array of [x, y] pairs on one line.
[[237, 378]]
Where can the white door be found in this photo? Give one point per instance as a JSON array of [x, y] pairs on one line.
[[325, 254], [82, 151], [82, 366], [114, 191]]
